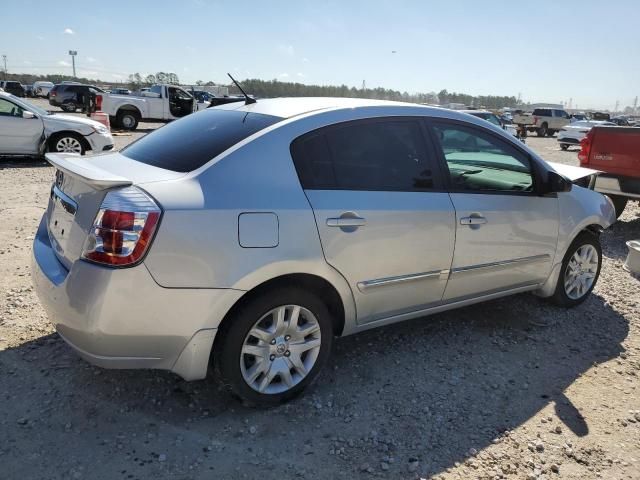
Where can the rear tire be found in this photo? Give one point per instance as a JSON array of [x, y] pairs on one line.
[[564, 146], [551, 133], [281, 368], [127, 119], [70, 107], [579, 272], [542, 131], [619, 203]]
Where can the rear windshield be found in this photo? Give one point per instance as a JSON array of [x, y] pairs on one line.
[[189, 143]]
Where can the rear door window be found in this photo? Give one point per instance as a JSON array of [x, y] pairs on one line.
[[375, 155], [189, 143]]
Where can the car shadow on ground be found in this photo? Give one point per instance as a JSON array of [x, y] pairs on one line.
[[432, 389], [22, 162]]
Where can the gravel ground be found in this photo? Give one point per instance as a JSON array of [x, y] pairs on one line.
[[513, 388]]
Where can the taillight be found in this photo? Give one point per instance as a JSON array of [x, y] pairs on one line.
[[535, 120], [98, 103], [123, 228], [52, 94], [585, 149]]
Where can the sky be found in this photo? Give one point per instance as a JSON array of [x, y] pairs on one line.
[[545, 51]]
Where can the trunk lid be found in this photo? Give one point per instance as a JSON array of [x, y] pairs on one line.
[[79, 187]]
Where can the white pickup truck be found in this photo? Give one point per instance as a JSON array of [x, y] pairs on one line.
[[159, 103], [543, 121]]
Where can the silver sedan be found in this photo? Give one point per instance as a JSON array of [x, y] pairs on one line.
[[248, 236]]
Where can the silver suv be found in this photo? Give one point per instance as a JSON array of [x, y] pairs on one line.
[[252, 235]]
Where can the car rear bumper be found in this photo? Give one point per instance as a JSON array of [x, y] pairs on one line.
[[618, 185], [121, 318]]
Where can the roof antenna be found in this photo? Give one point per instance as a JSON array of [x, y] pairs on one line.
[[248, 100]]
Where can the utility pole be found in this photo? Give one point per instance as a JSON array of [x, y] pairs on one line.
[[4, 58], [617, 105], [635, 105], [73, 54]]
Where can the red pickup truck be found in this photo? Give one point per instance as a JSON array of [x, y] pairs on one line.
[[615, 151]]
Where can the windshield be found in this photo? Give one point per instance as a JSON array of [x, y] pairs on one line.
[[189, 143]]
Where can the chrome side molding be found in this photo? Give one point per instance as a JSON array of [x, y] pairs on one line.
[[501, 264], [382, 282]]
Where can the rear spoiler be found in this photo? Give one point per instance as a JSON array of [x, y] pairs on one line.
[[82, 168]]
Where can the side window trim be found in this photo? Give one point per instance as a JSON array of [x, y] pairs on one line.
[[535, 173], [439, 179]]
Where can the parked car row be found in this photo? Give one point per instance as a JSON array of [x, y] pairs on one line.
[[38, 89]]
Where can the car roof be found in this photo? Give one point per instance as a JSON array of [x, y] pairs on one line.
[[475, 111], [288, 107]]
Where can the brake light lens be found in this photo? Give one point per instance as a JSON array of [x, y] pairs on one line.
[[585, 149], [535, 120], [123, 228], [98, 103]]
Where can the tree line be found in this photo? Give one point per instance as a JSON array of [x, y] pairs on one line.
[[276, 88]]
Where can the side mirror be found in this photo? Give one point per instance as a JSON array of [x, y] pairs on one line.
[[28, 114], [557, 183]]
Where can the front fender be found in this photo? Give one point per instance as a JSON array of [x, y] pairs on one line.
[[579, 209]]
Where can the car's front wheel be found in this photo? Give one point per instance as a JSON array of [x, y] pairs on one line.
[[542, 131], [68, 143], [274, 346], [580, 270], [564, 146]]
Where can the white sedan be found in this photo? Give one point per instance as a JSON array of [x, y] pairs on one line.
[[574, 132], [29, 130]]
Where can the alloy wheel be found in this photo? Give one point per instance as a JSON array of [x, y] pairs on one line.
[[581, 271], [280, 349], [68, 145]]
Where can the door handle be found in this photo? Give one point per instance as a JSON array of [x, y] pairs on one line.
[[473, 220], [346, 222]]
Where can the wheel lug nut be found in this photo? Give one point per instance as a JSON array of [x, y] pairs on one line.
[[273, 341], [287, 338], [272, 357], [287, 353]]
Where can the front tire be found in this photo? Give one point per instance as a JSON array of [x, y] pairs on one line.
[[542, 131], [579, 272], [274, 346], [68, 142], [619, 203], [564, 146]]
